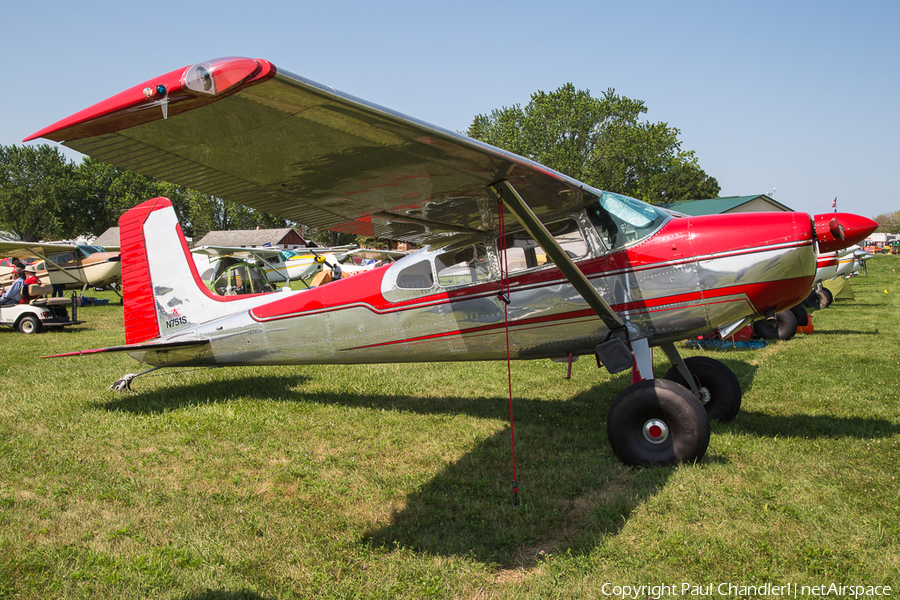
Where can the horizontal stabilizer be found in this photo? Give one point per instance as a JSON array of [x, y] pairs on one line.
[[133, 347]]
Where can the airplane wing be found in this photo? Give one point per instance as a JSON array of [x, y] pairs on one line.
[[372, 254], [238, 251], [42, 250], [10, 249], [244, 131]]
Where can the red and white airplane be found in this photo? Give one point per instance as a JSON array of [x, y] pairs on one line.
[[519, 260]]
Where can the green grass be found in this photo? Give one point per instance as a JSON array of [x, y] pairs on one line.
[[395, 481]]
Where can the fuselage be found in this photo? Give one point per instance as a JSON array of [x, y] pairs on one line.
[[688, 277]]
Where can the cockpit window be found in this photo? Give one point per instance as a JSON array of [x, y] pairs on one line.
[[232, 277], [621, 220], [523, 252], [62, 258], [459, 267], [417, 276]]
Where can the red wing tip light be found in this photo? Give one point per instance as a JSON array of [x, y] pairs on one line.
[[180, 89]]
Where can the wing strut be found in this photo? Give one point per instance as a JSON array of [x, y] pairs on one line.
[[511, 198]]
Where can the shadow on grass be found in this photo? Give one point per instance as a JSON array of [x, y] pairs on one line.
[[257, 387], [812, 426], [573, 492]]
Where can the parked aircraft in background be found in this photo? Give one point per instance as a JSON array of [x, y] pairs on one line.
[[842, 263], [519, 261], [76, 266], [278, 265]]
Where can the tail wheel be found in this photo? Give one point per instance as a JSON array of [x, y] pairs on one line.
[[657, 422], [720, 392], [29, 324], [784, 328]]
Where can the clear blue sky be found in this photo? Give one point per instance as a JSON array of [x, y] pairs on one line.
[[798, 96]]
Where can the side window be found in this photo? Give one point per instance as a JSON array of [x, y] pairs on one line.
[[523, 252], [62, 258], [459, 267], [416, 277]]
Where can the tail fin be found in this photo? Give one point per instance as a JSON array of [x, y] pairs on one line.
[[162, 291]]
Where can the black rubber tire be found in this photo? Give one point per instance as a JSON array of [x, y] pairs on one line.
[[801, 315], [827, 297], [657, 400], [813, 301], [785, 327], [29, 324], [718, 385]]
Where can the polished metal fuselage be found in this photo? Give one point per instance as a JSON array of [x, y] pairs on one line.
[[369, 319]]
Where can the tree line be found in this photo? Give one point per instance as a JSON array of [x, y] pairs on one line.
[[45, 196], [603, 142], [889, 222]]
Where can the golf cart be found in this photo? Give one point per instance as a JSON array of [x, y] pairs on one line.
[[41, 312]]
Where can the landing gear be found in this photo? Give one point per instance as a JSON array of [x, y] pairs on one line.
[[784, 328], [801, 315], [720, 392], [665, 421], [657, 422], [123, 384], [826, 295]]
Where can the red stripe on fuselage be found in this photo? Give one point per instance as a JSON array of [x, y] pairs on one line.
[[659, 305], [365, 289], [682, 242]]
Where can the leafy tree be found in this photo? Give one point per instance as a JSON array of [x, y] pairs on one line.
[[108, 191], [36, 192], [600, 141], [888, 222], [208, 213], [328, 238]]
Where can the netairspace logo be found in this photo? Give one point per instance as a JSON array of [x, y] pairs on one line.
[[786, 590]]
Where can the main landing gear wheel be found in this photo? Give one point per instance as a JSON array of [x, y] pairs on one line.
[[801, 315], [657, 422], [785, 327], [720, 392]]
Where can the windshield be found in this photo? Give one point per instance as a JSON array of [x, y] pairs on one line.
[[621, 220], [232, 277], [88, 250]]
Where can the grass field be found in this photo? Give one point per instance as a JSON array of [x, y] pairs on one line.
[[394, 481]]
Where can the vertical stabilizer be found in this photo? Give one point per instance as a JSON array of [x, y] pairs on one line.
[[141, 323], [161, 289]]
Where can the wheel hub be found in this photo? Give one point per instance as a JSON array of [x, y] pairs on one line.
[[704, 396], [656, 431]]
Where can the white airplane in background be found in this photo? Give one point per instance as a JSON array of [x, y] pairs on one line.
[[301, 265], [76, 266]]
